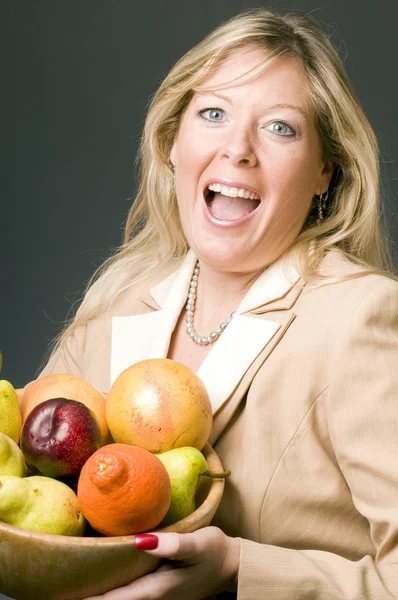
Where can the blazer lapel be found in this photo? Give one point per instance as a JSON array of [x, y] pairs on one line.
[[232, 354], [278, 311], [137, 338], [147, 335], [229, 406]]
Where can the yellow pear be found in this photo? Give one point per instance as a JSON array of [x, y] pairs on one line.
[[184, 467], [10, 414], [40, 504], [12, 461]]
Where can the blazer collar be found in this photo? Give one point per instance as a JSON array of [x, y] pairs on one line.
[[148, 335], [271, 285]]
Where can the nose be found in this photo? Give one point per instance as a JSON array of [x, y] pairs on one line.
[[238, 147]]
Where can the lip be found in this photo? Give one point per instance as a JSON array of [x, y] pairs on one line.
[[231, 184]]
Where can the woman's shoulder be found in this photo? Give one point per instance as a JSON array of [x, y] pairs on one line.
[[337, 267], [347, 285], [136, 298]]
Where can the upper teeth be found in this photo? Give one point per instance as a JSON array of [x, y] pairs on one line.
[[234, 192]]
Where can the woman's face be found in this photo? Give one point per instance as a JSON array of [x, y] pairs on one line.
[[257, 140]]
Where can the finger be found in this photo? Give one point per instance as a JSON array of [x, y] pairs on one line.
[[165, 567], [170, 584], [185, 546], [176, 546], [167, 584]]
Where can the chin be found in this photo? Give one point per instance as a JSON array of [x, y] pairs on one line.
[[220, 257]]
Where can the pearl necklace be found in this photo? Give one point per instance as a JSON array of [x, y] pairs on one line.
[[190, 306]]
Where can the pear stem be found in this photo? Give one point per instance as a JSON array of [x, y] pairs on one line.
[[220, 475]]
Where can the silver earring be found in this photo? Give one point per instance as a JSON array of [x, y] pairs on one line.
[[322, 199]]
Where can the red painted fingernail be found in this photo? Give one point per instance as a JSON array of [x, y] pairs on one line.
[[146, 541]]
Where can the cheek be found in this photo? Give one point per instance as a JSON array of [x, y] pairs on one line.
[[193, 155], [190, 147], [293, 175], [196, 146], [191, 162], [192, 159], [291, 182]]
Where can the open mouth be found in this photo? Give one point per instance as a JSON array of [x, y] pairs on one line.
[[230, 204]]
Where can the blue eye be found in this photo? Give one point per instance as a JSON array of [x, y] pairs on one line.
[[214, 114], [282, 128]]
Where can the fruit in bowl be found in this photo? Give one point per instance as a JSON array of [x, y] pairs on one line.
[[58, 437], [12, 461], [129, 478], [72, 387], [69, 568], [10, 415], [40, 504], [184, 467], [159, 404]]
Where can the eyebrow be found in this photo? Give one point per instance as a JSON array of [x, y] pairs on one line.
[[280, 105]]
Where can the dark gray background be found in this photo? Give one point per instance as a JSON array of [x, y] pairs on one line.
[[76, 83]]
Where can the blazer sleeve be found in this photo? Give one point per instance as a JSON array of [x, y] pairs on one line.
[[363, 426]]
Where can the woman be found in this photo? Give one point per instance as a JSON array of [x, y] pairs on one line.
[[254, 254]]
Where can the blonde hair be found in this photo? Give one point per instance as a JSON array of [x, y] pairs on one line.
[[153, 232]]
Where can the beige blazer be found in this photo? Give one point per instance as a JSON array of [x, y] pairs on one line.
[[304, 387]]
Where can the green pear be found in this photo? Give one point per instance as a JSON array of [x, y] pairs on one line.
[[40, 504], [184, 466], [12, 461], [10, 414]]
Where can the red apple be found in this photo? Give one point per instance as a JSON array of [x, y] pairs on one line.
[[58, 436]]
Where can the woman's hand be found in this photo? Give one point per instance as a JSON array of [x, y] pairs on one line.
[[198, 565]]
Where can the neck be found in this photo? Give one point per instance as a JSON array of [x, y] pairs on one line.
[[220, 287], [218, 294]]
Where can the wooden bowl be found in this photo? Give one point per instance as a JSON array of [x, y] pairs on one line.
[[57, 567]]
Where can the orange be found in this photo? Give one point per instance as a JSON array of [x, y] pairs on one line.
[[159, 404], [123, 490], [72, 387]]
